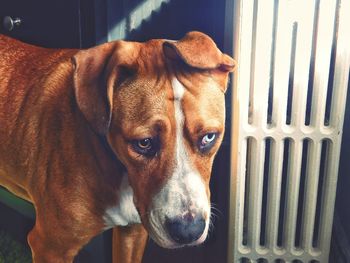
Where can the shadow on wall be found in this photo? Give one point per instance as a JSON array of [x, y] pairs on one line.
[[145, 19]]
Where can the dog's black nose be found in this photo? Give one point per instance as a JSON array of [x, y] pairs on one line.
[[185, 229]]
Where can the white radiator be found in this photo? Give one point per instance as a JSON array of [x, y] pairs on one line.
[[288, 108]]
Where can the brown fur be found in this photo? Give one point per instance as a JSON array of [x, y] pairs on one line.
[[66, 117]]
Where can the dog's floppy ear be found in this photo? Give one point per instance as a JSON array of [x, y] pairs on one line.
[[199, 51], [95, 73]]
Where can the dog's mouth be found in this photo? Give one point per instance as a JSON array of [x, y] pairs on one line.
[[184, 229]]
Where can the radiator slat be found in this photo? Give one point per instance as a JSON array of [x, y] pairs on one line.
[[328, 197], [322, 61], [262, 56], [304, 20], [241, 196], [293, 181], [246, 50], [255, 193], [341, 72], [282, 63], [273, 202], [309, 212]]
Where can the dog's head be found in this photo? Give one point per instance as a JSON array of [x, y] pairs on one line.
[[161, 106]]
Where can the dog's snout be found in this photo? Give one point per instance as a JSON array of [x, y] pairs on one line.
[[186, 228]]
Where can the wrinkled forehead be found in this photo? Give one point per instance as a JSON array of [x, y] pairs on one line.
[[147, 96], [202, 97], [140, 97]]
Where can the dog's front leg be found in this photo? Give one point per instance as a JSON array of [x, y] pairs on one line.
[[59, 234], [129, 243], [46, 248]]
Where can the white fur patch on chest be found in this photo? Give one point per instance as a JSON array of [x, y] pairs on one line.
[[123, 213]]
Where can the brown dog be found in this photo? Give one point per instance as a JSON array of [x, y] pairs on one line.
[[113, 136]]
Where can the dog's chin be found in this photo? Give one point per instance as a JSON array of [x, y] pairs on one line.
[[169, 244]]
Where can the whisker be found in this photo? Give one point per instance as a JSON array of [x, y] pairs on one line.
[[214, 208]]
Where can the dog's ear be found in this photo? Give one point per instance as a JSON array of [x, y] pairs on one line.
[[96, 70], [199, 51]]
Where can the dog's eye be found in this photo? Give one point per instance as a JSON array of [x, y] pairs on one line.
[[146, 146], [207, 141], [208, 138]]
